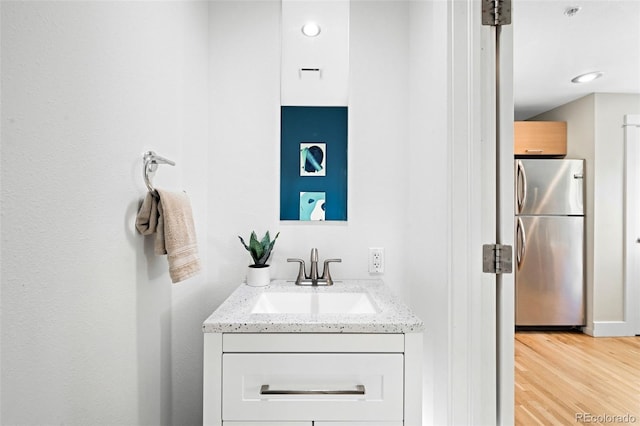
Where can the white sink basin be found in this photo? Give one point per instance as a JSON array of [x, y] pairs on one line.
[[314, 303]]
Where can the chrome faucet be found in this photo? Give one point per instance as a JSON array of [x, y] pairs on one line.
[[313, 279], [314, 264]]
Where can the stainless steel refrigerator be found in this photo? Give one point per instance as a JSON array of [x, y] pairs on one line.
[[549, 253]]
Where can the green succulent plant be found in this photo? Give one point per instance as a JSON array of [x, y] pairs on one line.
[[260, 250]]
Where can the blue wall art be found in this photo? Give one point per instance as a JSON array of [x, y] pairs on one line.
[[312, 159], [313, 163], [312, 205]]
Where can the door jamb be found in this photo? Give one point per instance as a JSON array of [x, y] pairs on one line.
[[475, 301], [631, 230], [506, 282]]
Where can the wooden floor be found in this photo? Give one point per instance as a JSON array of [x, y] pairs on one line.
[[571, 378]]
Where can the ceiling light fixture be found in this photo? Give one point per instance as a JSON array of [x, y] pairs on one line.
[[311, 29], [572, 11], [585, 78]]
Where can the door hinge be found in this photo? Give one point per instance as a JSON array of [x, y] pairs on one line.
[[497, 259], [496, 12]]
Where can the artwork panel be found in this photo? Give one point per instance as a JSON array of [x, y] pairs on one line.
[[312, 206], [327, 129], [313, 159]]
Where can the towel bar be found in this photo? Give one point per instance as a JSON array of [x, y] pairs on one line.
[[151, 161]]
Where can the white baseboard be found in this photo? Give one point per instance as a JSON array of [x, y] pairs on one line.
[[609, 329]]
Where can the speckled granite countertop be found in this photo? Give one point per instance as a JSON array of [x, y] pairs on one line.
[[235, 316]]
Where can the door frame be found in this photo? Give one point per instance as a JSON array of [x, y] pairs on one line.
[[481, 314], [632, 227], [506, 208]]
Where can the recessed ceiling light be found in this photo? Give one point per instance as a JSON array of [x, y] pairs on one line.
[[311, 29], [585, 78], [572, 11]]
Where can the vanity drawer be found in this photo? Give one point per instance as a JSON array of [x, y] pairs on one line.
[[272, 424], [298, 387]]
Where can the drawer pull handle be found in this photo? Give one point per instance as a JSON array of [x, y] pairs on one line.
[[536, 151], [265, 390]]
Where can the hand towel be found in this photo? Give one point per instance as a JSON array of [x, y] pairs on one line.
[[171, 219]]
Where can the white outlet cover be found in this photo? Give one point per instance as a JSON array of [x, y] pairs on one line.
[[376, 260]]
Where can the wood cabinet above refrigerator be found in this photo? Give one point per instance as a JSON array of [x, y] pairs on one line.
[[540, 138]]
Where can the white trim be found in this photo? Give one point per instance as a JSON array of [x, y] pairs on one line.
[[632, 227], [472, 375], [309, 342], [460, 112], [458, 153], [212, 380], [413, 379], [609, 329], [483, 325], [506, 283]]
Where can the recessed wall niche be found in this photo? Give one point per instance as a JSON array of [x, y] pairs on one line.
[[314, 113], [313, 163]]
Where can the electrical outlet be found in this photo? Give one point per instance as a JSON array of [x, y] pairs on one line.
[[376, 260]]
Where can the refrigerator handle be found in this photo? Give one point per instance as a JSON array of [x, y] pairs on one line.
[[521, 195], [522, 242], [518, 201]]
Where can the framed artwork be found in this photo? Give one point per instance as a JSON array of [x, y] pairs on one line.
[[312, 159], [312, 205], [313, 163]]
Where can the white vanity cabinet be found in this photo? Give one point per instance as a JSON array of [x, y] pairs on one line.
[[316, 360], [324, 379], [314, 423]]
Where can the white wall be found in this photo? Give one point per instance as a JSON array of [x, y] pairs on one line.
[[93, 332], [245, 139], [595, 132], [426, 216], [610, 110]]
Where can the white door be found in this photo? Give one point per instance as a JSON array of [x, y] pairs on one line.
[[481, 140], [505, 323], [632, 223]]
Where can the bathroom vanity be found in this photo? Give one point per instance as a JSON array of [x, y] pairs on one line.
[[348, 354]]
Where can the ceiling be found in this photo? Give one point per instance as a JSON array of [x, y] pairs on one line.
[[550, 48]]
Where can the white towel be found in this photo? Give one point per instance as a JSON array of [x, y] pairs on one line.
[[171, 219]]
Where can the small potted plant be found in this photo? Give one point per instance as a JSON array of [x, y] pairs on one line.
[[258, 274]]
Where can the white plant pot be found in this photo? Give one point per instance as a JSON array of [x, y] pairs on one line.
[[258, 276]]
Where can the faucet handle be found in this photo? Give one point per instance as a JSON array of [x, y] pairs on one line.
[[301, 270], [326, 274]]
